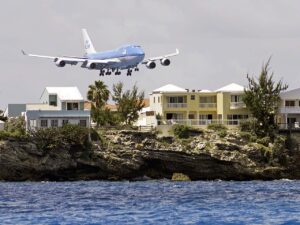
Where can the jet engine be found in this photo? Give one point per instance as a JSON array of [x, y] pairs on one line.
[[60, 63], [91, 65], [151, 65], [165, 62]]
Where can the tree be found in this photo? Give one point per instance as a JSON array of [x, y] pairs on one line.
[[262, 98], [129, 102], [98, 94]]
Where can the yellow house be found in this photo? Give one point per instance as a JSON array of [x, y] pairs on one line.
[[199, 107]]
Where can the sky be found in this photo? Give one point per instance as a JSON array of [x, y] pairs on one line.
[[220, 42]]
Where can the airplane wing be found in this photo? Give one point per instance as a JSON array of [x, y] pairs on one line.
[[161, 57], [74, 60]]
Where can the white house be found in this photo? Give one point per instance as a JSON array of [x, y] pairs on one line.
[[2, 125], [290, 108], [58, 106]]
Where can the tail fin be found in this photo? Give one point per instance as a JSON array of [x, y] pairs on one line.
[[88, 45]]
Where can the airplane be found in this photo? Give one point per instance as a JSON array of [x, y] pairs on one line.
[[127, 57]]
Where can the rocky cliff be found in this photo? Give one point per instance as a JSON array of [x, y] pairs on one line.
[[137, 155]]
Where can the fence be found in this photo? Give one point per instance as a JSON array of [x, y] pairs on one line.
[[195, 122]]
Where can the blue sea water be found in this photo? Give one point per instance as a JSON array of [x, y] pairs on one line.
[[150, 202]]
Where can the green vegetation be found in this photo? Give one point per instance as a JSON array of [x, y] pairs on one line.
[[222, 133], [14, 128], [98, 94], [262, 98], [129, 102], [183, 131], [68, 136], [217, 127]]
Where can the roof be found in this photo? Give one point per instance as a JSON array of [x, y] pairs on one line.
[[170, 88], [65, 93], [205, 91], [292, 94], [233, 87]]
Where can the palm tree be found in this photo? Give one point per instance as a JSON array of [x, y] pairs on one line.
[[98, 94]]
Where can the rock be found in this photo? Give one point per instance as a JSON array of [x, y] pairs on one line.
[[180, 177], [201, 146], [227, 146]]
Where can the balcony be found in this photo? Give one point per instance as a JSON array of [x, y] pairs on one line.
[[289, 109], [208, 105], [195, 122], [237, 105], [177, 105]]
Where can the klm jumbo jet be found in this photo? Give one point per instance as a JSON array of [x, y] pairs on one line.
[[127, 57]]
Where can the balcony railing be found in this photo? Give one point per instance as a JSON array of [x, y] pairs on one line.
[[208, 105], [237, 105], [195, 122], [289, 109], [176, 105]]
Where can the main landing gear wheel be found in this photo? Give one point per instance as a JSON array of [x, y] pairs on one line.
[[129, 71], [118, 73], [136, 69], [101, 73]]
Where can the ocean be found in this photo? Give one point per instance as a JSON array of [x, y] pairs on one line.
[[150, 202]]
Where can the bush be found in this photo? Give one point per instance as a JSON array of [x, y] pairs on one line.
[[61, 137], [264, 141], [222, 133], [216, 127], [16, 126], [248, 125], [4, 135], [183, 131], [246, 135]]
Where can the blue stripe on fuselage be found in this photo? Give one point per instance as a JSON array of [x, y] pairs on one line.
[[122, 52]]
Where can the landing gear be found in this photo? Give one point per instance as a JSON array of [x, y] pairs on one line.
[[129, 71], [136, 69], [101, 72], [118, 72], [108, 72]]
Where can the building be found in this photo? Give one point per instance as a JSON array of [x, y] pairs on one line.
[[289, 110], [2, 123], [174, 104], [58, 106], [14, 110]]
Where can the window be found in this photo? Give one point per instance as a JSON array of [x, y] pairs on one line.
[[72, 106], [208, 99], [54, 123], [44, 123], [289, 103], [53, 100], [153, 99], [233, 119], [236, 98], [32, 123], [191, 116], [192, 97], [177, 99], [158, 99], [82, 123], [64, 122]]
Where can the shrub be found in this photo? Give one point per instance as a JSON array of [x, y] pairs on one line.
[[264, 141], [61, 137], [245, 135], [183, 131], [4, 135], [216, 127], [15, 126], [248, 125], [222, 133]]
